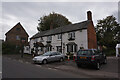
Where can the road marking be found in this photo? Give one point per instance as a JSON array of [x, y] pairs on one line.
[[0, 72], [27, 62], [52, 68], [38, 65], [13, 59], [9, 58], [20, 61]]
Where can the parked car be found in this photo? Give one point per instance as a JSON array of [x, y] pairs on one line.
[[90, 56], [48, 57]]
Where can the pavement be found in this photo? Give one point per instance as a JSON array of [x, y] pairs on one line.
[[110, 70]]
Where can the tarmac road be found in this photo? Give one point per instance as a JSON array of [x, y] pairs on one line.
[[109, 70], [16, 69]]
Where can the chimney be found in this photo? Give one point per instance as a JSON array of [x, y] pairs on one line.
[[89, 15], [51, 26]]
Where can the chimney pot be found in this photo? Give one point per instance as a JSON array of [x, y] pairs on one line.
[[89, 15]]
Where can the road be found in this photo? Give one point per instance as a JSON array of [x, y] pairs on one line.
[[16, 69]]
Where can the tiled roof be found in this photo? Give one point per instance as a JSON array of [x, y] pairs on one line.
[[39, 34], [18, 24], [67, 28]]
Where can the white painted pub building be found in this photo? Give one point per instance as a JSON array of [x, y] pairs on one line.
[[69, 38]]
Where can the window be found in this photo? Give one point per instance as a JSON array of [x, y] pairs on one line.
[[49, 48], [59, 36], [54, 53], [58, 53], [71, 48], [49, 38], [84, 52], [18, 29], [40, 48], [59, 48], [17, 37], [71, 35]]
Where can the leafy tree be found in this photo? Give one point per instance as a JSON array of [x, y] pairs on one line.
[[53, 19], [108, 32]]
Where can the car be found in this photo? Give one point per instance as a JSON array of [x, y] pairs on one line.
[[49, 57], [90, 57]]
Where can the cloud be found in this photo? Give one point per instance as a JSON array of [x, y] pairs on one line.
[[60, 0], [28, 13]]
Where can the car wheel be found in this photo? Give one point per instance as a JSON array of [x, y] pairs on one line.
[[44, 61], [97, 65], [61, 59], [105, 61]]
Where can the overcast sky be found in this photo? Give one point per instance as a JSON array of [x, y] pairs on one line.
[[28, 13]]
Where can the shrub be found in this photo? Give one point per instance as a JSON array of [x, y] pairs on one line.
[[8, 48]]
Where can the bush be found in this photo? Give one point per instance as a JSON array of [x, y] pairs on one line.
[[110, 52], [8, 48]]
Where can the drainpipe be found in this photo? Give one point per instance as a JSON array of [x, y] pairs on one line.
[[61, 39]]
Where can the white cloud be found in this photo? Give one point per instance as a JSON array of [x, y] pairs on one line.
[[28, 13], [60, 0]]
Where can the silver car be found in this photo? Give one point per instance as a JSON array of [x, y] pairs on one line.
[[48, 57]]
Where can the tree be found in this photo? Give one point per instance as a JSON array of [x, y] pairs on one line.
[[108, 32], [53, 19]]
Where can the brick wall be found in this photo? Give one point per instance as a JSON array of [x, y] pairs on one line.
[[16, 31], [92, 41]]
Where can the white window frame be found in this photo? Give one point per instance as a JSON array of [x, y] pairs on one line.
[[49, 38], [17, 37], [59, 36], [71, 35]]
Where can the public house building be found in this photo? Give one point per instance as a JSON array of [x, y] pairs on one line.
[[69, 38]]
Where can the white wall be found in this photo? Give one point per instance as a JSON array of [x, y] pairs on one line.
[[27, 49], [80, 39]]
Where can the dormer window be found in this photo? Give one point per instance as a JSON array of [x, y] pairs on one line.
[[59, 36], [71, 35]]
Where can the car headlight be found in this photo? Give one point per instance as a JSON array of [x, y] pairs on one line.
[[38, 59], [34, 58]]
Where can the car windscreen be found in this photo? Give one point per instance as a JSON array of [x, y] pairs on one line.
[[47, 54], [84, 52]]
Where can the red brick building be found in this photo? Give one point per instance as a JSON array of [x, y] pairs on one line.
[[92, 40], [17, 35]]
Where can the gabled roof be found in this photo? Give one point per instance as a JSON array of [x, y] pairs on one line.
[[63, 29], [39, 34], [18, 24]]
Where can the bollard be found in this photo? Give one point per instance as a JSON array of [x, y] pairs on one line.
[[68, 58], [73, 58]]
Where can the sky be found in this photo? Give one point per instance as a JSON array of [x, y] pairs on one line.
[[28, 12]]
